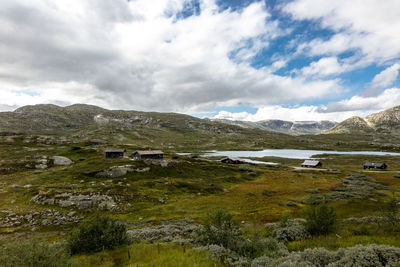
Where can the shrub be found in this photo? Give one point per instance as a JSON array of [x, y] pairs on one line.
[[291, 233], [321, 219], [392, 211], [96, 234], [262, 262], [180, 231], [220, 229], [371, 255], [33, 253], [258, 246], [223, 235]]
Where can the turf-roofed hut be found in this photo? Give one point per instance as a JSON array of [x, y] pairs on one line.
[[147, 154], [371, 165], [311, 164], [115, 152]]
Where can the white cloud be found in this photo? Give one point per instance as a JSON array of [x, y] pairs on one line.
[[338, 111], [142, 55], [324, 67], [382, 80], [387, 99], [370, 27]]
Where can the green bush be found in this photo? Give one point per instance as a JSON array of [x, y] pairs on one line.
[[33, 253], [224, 239], [321, 219], [96, 234], [220, 229]]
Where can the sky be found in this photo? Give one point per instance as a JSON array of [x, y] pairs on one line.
[[229, 59]]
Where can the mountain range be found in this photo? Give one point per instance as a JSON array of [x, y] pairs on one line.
[[82, 123], [288, 127]]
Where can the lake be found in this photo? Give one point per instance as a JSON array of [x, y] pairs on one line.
[[292, 153]]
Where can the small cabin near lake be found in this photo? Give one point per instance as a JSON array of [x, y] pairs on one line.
[[147, 154], [311, 164], [231, 160], [379, 166], [115, 153]]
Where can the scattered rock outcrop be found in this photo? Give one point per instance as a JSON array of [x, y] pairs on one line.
[[79, 201], [119, 171], [39, 218], [162, 163]]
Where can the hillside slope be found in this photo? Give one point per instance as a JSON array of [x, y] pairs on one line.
[[384, 122], [288, 127]]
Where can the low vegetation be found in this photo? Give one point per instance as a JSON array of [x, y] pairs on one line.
[[320, 219], [96, 234], [28, 253]]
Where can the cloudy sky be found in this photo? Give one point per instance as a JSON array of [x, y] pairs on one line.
[[246, 60]]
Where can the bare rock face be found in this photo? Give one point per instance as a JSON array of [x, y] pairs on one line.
[[61, 161]]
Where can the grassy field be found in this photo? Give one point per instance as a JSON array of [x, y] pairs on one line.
[[186, 188]]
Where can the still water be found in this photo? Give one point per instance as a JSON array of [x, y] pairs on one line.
[[292, 153]]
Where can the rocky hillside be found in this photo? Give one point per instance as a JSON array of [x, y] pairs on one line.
[[85, 123], [288, 127], [384, 122], [81, 117]]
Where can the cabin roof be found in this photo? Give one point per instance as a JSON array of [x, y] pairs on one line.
[[311, 162], [115, 150], [148, 152]]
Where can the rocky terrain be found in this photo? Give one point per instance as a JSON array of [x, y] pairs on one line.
[[384, 122], [288, 127]]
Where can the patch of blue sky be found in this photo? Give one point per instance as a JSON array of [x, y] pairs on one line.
[[360, 79], [285, 46], [234, 5], [25, 92], [232, 109], [190, 8]]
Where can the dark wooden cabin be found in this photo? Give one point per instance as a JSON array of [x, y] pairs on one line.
[[231, 160], [147, 154], [115, 153], [311, 164], [371, 165]]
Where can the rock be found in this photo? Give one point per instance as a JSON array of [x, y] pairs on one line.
[[312, 191], [15, 186], [28, 186], [291, 204], [61, 161], [71, 214], [81, 181], [114, 172], [12, 201], [40, 166], [143, 170], [78, 200]]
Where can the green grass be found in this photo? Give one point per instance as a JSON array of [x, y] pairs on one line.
[[148, 255], [192, 188]]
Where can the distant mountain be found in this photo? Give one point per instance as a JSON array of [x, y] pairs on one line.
[[288, 127], [384, 122], [85, 123]]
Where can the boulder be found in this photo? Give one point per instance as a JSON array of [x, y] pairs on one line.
[[61, 161]]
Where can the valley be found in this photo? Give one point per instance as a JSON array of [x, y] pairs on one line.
[[42, 199]]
